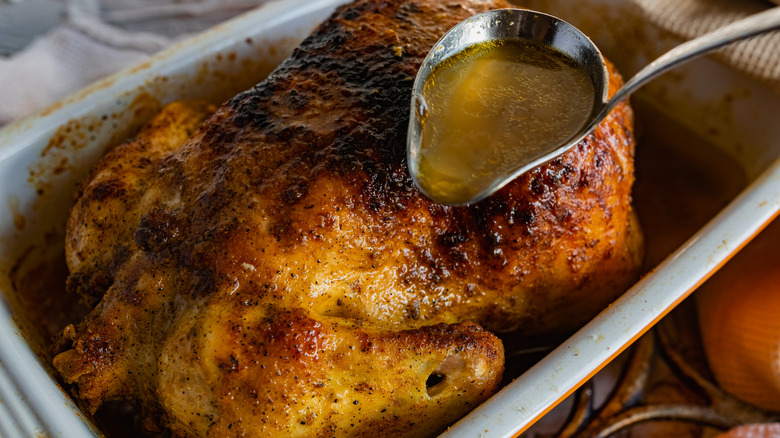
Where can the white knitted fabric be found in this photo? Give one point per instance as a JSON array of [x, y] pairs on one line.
[[68, 58], [96, 39]]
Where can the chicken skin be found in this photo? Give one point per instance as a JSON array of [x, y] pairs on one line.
[[271, 269]]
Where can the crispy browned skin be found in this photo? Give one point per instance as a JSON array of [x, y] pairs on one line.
[[279, 273]]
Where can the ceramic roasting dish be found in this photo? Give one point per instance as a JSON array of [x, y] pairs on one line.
[[725, 118]]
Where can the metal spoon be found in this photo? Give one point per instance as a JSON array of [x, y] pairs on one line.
[[523, 24]]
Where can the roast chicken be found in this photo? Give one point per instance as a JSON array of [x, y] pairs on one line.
[[270, 269]]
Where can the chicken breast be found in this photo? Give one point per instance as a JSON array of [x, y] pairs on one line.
[[275, 271]]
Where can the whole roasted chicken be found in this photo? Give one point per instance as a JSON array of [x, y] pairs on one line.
[[271, 269]]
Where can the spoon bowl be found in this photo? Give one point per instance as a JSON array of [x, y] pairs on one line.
[[525, 25]]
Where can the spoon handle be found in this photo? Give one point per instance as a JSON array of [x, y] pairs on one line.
[[739, 30]]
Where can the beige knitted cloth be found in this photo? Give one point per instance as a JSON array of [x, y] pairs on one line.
[[758, 57]]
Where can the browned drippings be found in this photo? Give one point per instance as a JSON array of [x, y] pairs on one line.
[[41, 304]]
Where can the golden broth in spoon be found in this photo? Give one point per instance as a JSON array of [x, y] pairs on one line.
[[495, 105]]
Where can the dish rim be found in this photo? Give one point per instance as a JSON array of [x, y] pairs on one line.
[[35, 402]]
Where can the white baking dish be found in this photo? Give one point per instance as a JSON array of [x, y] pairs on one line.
[[43, 157]]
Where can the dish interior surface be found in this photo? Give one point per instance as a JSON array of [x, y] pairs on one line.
[[687, 171]]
